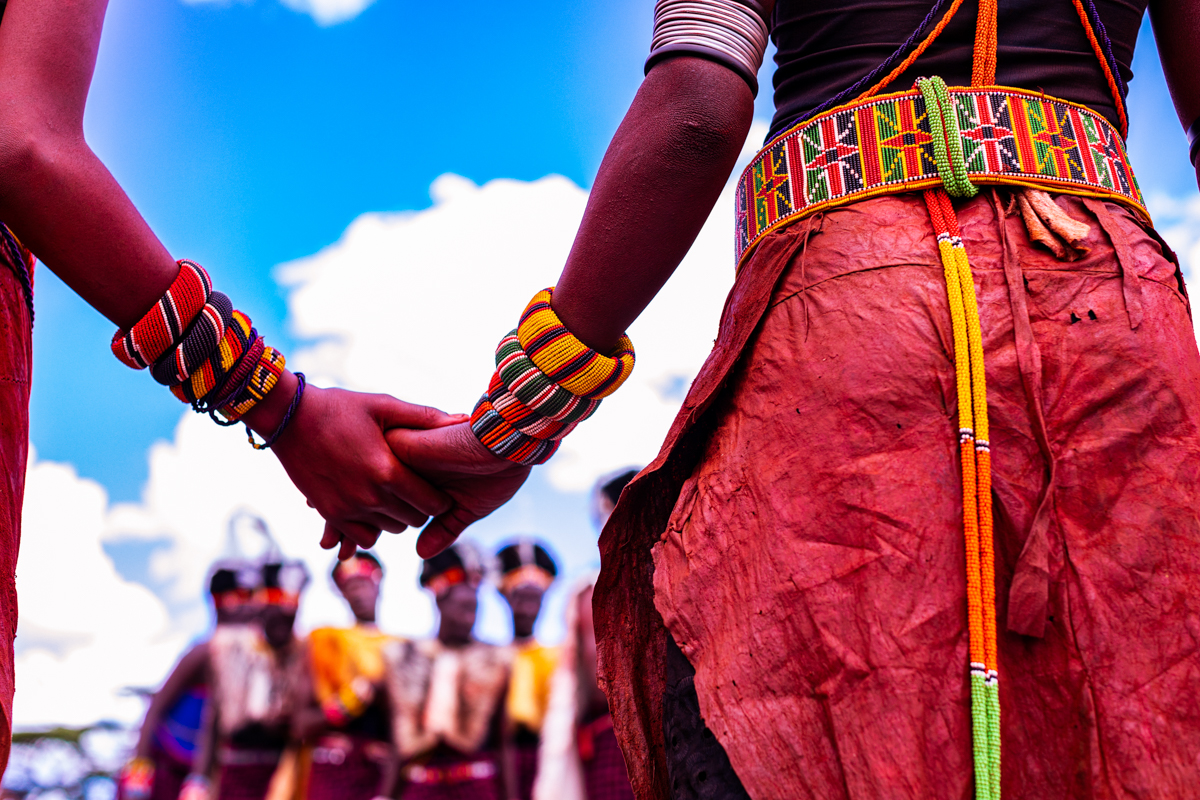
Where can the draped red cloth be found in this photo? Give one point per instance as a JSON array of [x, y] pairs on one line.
[[16, 366], [799, 534]]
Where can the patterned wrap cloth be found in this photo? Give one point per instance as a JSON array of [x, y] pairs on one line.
[[16, 366], [799, 533], [458, 788]]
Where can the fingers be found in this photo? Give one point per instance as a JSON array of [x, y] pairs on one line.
[[412, 492], [358, 533], [441, 533], [347, 549], [393, 413]]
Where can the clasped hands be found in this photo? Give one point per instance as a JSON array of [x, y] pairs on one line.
[[370, 463]]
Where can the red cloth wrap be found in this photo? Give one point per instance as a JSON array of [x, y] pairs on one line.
[[470, 789], [346, 767], [804, 518], [604, 773], [16, 366]]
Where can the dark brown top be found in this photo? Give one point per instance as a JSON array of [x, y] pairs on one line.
[[825, 47]]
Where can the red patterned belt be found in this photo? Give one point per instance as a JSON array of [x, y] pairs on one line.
[[451, 773], [884, 146]]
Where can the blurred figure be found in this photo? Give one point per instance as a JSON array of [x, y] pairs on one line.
[[526, 572], [166, 746], [447, 693], [253, 669], [607, 491], [342, 709], [579, 757]]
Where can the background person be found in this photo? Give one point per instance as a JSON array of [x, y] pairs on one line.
[[254, 670], [342, 710], [526, 572], [447, 693], [166, 747]]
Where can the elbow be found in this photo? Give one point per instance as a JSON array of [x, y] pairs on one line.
[[706, 109], [29, 153]]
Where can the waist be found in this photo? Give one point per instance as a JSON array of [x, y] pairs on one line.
[[248, 756], [448, 774], [885, 146]]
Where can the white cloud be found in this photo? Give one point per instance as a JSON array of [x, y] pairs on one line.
[[411, 304], [325, 12], [1177, 219], [329, 12]]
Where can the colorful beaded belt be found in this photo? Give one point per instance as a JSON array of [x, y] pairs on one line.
[[885, 146]]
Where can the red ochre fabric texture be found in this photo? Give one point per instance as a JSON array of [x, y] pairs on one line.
[[16, 366], [346, 767], [800, 532]]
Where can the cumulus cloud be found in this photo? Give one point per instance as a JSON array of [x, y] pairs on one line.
[[324, 12], [410, 304], [1178, 221]]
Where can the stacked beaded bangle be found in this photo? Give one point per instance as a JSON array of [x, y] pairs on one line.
[[208, 353], [546, 382]]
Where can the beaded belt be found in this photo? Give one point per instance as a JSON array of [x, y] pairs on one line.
[[450, 774], [885, 146]]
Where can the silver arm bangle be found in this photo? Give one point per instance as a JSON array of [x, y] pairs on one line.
[[731, 32]]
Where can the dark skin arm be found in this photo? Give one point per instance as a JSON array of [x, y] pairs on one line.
[[688, 121], [65, 206], [1177, 32], [191, 670]]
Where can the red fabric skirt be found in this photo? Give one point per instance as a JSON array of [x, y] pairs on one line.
[[800, 533], [604, 773], [246, 773], [346, 768], [16, 366], [525, 757]]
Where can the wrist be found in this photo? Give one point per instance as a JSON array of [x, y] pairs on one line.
[[267, 415]]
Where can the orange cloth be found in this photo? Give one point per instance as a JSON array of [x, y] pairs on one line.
[[347, 667]]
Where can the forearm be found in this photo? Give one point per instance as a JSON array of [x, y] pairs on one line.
[[662, 174], [1177, 33], [64, 205]]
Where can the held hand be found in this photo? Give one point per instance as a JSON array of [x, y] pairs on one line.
[[335, 452], [452, 458]]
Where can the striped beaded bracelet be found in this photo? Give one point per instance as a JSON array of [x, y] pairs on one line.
[[546, 382], [204, 350]]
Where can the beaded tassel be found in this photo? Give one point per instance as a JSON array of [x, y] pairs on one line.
[[974, 453]]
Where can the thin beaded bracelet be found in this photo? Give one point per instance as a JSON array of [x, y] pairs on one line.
[[287, 417]]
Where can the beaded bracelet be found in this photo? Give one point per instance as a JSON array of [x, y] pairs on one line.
[[546, 382], [567, 361], [205, 351], [287, 417], [163, 325]]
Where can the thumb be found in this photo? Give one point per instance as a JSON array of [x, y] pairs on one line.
[[393, 413], [443, 530]]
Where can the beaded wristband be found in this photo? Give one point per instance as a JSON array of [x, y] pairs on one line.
[[212, 373], [502, 439], [521, 417], [530, 385], [546, 382], [202, 337], [567, 361], [262, 380], [156, 332], [204, 350]]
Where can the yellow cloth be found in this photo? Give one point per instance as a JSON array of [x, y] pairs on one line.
[[529, 687], [347, 666]]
